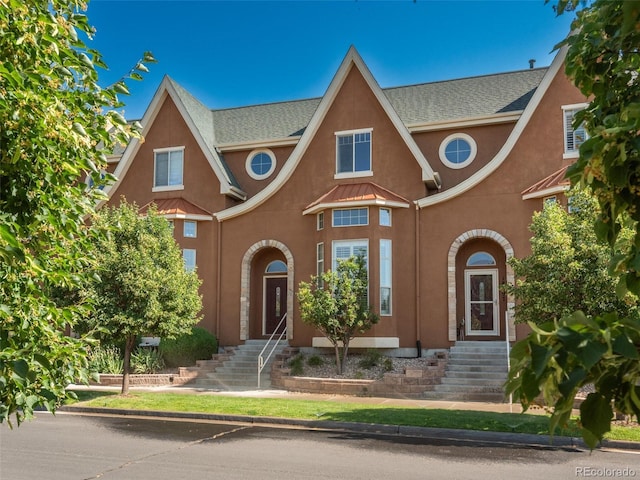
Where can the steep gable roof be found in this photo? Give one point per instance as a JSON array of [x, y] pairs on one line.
[[199, 119], [409, 107], [425, 103], [508, 146], [351, 60]]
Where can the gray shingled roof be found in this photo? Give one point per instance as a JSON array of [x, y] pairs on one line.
[[466, 97], [201, 116], [425, 103], [264, 122]]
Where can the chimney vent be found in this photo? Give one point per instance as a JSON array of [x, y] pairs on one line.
[[532, 62]]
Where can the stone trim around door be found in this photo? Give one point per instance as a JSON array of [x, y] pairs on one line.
[[451, 277], [245, 285]]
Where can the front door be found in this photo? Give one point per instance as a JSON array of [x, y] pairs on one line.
[[275, 303], [481, 302]]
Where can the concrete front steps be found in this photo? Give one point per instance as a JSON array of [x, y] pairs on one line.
[[476, 372], [237, 367]]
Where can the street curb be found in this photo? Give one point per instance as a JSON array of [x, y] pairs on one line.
[[457, 435]]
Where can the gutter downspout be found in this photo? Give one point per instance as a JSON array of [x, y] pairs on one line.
[[218, 279], [417, 282]]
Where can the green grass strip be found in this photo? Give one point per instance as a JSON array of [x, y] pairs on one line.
[[342, 412], [326, 410]]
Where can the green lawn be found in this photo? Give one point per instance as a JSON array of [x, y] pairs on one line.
[[343, 412]]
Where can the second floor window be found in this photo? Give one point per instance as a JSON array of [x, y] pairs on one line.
[[573, 138], [353, 152], [190, 229], [168, 168], [350, 216]]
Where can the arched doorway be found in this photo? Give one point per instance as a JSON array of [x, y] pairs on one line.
[[274, 297], [266, 289], [477, 267]]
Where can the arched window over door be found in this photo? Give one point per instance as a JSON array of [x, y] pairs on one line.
[[277, 266], [481, 259]]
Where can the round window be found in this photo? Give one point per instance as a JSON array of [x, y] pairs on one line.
[[260, 164], [458, 150]]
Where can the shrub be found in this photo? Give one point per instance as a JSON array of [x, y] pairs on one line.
[[106, 359], [296, 364], [146, 360], [387, 364], [184, 350], [370, 359], [315, 361]]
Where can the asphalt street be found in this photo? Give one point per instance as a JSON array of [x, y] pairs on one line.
[[71, 446]]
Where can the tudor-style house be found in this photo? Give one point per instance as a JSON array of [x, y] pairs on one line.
[[435, 184]]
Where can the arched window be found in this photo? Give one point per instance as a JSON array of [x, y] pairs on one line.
[[277, 266], [480, 259]]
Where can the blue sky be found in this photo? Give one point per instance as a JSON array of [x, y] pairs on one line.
[[234, 53]]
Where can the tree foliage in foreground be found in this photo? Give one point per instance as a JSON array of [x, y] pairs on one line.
[[336, 303], [558, 358], [54, 127], [569, 264], [142, 287]]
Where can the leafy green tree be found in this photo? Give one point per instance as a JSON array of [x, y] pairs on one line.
[[557, 359], [336, 303], [143, 287], [56, 124], [569, 264]]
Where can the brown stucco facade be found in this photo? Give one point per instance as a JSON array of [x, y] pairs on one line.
[[437, 235]]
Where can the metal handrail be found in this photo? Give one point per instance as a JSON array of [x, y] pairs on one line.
[[506, 335], [261, 360]]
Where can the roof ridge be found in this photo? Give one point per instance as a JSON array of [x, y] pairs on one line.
[[279, 102], [384, 89], [472, 77]]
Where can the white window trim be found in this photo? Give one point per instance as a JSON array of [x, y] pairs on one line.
[[575, 153], [167, 188], [363, 173], [443, 146], [320, 221], [342, 133], [333, 223], [380, 217], [195, 232], [367, 173], [319, 260], [170, 188], [250, 171], [390, 286]]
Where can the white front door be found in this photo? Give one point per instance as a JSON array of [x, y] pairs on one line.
[[481, 302]]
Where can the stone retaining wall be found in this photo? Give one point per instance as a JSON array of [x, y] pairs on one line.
[[410, 384], [146, 379]]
